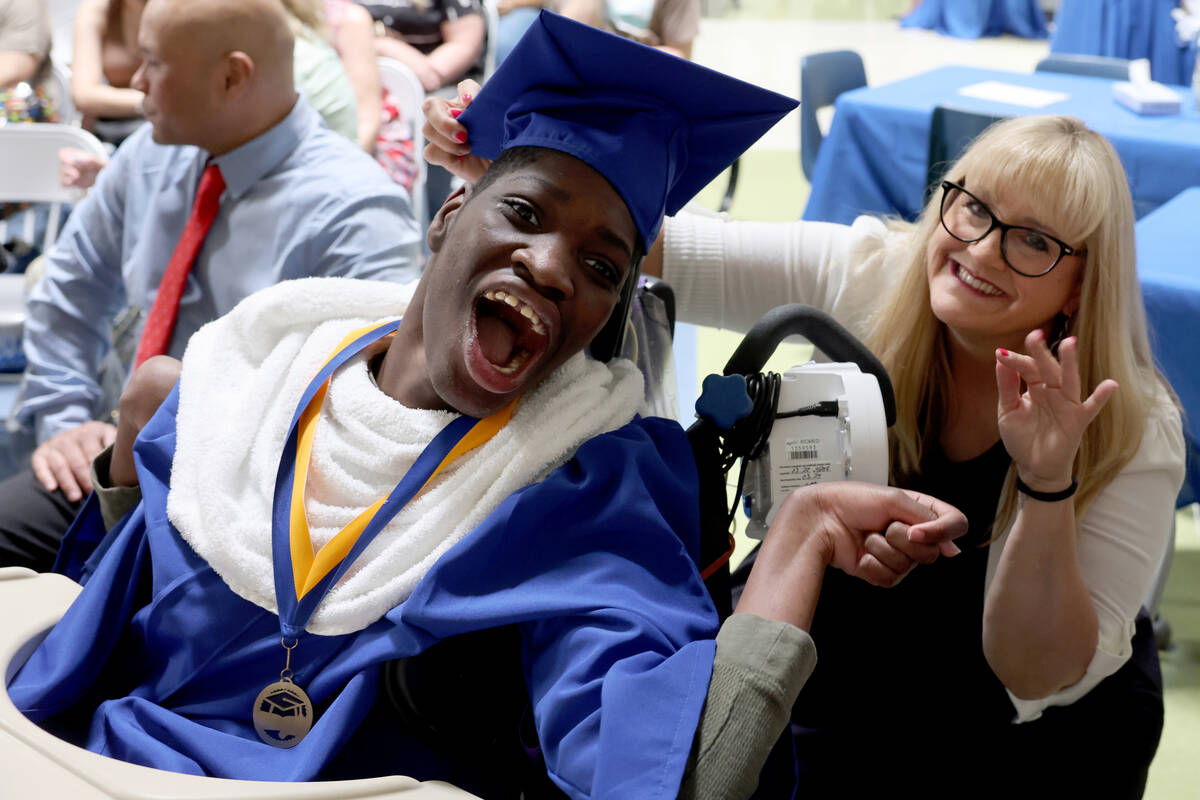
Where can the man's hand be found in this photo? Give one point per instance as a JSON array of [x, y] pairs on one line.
[[876, 533], [147, 388], [78, 168], [63, 462]]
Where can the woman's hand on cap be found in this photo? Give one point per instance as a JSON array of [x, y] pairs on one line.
[[445, 137], [1042, 423]]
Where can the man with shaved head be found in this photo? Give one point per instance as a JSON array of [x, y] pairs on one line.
[[234, 185]]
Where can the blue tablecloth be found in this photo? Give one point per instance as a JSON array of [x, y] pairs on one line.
[[1125, 29], [8, 396], [874, 158], [1168, 252], [971, 19]]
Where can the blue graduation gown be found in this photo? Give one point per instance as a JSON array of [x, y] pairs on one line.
[[595, 565]]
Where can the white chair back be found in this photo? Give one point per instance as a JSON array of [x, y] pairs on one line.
[[29, 169], [36, 763], [62, 25], [58, 84], [491, 16], [405, 87]]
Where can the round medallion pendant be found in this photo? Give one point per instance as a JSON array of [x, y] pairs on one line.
[[283, 714]]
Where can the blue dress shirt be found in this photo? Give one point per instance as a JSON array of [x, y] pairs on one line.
[[299, 200]]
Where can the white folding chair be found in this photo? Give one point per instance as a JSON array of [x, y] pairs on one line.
[[29, 170], [58, 85], [491, 16], [62, 25], [404, 85], [36, 763]]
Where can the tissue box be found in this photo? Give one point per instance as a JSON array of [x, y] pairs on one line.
[[1147, 98], [12, 319]]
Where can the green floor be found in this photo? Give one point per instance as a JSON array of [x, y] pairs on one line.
[[772, 187]]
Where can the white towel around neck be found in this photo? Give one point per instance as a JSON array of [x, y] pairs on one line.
[[243, 376]]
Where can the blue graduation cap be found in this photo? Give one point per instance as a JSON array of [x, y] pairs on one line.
[[658, 127]]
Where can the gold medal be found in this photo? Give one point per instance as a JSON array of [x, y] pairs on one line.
[[283, 714]]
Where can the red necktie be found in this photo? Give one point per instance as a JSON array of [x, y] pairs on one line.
[[160, 322]]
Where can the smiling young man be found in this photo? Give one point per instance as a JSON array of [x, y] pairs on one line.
[[245, 605], [540, 253]]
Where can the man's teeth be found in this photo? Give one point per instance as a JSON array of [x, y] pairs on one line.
[[514, 363], [975, 283], [527, 311]]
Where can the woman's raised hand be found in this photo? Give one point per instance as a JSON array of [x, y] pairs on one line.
[[1043, 423], [445, 137]]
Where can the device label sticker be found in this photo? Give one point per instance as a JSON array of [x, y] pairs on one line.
[[803, 449], [804, 464]]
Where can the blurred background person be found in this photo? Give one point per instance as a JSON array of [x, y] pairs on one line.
[[515, 18], [103, 62], [442, 42], [669, 25], [24, 40], [319, 73], [352, 33]]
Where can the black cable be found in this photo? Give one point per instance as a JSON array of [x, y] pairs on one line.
[[824, 408], [750, 434]]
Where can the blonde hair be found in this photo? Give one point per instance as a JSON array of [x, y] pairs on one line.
[[1072, 176], [310, 14]]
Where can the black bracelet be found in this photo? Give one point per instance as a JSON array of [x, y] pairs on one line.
[[1047, 497]]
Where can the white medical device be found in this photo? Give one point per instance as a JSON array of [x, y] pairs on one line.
[[840, 435], [817, 422]]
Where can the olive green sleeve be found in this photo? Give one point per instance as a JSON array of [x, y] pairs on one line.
[[759, 669], [115, 501]]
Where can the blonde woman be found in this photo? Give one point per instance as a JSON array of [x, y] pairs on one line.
[[1010, 319]]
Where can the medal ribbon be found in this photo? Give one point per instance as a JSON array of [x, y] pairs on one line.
[[302, 578]]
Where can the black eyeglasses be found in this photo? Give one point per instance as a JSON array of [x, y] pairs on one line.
[[1027, 251]]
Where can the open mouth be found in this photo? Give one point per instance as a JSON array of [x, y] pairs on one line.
[[974, 282], [510, 335]]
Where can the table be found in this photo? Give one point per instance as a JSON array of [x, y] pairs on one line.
[[971, 19], [1125, 29], [9, 443], [873, 160], [1168, 244]]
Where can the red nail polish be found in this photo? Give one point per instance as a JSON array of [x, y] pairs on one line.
[[1002, 352], [454, 112], [466, 98], [460, 137]]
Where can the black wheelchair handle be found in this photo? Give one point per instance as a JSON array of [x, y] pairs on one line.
[[825, 333]]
